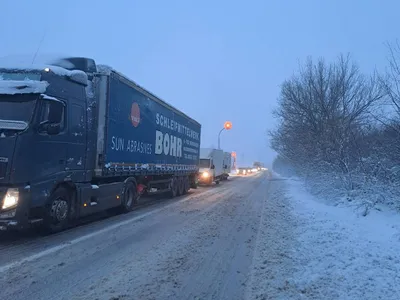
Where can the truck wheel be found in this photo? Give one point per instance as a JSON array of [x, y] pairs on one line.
[[193, 183], [186, 185], [181, 185], [129, 197], [217, 181], [174, 187], [58, 209]]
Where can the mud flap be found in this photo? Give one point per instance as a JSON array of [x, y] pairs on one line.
[[140, 188]]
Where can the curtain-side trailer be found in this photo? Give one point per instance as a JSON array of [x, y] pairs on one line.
[[77, 138]]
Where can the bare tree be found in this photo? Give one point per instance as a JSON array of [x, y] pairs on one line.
[[322, 110], [391, 80], [386, 138]]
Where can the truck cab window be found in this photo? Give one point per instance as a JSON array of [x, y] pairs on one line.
[[52, 113]]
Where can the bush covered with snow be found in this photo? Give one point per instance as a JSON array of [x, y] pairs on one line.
[[339, 130]]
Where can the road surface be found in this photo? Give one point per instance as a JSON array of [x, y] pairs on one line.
[[199, 246]]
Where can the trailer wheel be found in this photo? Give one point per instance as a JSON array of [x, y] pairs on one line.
[[193, 182], [174, 187], [129, 197], [186, 184], [57, 211], [181, 185]]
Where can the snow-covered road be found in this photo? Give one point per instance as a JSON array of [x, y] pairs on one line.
[[252, 238], [197, 247]]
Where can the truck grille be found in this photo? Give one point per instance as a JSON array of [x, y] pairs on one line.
[[3, 168]]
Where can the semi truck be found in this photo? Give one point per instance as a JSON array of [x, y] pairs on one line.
[[77, 138], [211, 166], [227, 165]]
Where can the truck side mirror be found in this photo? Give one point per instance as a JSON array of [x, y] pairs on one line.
[[52, 117], [212, 167], [56, 110], [50, 129], [226, 167], [53, 129]]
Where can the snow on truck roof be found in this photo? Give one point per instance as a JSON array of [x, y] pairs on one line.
[[48, 63], [75, 75], [13, 87], [107, 70], [63, 66]]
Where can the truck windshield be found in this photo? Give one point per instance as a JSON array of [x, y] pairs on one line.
[[19, 76], [204, 163], [17, 107]]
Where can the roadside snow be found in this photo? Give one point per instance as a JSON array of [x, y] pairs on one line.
[[343, 254], [307, 249], [272, 264]]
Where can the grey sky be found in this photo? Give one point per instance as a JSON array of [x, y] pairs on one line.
[[215, 60]]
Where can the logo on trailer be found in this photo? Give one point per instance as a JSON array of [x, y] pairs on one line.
[[135, 114]]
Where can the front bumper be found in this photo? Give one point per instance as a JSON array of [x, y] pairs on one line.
[[205, 180], [202, 180], [15, 218]]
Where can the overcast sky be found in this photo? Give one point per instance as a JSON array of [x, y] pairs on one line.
[[214, 60]]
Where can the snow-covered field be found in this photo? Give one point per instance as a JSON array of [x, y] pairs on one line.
[[310, 250]]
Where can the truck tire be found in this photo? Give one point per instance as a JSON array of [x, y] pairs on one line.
[[186, 185], [193, 183], [57, 211], [128, 197], [174, 187], [181, 185]]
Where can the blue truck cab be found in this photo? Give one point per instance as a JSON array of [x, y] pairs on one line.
[[56, 123]]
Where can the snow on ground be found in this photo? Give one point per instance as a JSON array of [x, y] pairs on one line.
[[343, 254], [307, 249]]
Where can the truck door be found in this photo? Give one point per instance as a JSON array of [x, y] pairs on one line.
[[49, 149], [76, 153]]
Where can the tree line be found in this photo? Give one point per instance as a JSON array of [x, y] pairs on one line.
[[334, 119]]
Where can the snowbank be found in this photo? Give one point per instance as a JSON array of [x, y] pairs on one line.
[[341, 254], [307, 249], [278, 175]]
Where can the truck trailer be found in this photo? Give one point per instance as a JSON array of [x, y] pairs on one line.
[[78, 138], [211, 166]]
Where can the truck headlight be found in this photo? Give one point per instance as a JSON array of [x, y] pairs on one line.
[[10, 199], [205, 174]]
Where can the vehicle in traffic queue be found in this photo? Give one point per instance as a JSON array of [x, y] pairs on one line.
[[78, 138], [211, 166], [242, 171]]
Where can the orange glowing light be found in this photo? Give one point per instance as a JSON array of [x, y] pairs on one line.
[[228, 125]]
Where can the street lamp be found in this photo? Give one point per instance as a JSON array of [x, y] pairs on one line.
[[227, 126], [234, 159]]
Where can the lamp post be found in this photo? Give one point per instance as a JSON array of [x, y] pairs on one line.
[[234, 160], [227, 126]]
